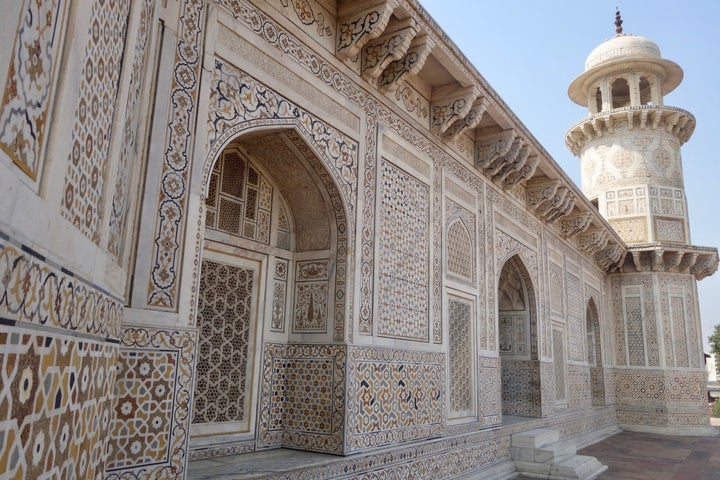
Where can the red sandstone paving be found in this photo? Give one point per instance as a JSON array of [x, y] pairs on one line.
[[642, 456]]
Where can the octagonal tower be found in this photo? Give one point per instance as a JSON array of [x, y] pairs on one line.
[[629, 148]]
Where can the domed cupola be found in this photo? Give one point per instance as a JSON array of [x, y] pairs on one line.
[[629, 145]]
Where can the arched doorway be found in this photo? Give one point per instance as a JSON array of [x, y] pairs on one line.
[[517, 341], [592, 326], [272, 273]]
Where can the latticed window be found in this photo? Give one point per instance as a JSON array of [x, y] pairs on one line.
[[459, 251], [239, 200], [461, 355]]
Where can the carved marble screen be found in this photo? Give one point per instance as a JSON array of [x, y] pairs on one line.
[[226, 337]]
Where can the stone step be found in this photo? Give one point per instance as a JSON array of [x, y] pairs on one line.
[[536, 438], [579, 467], [555, 452]]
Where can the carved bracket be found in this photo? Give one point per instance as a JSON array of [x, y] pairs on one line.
[[359, 22], [410, 64], [609, 256], [698, 261], [522, 172], [539, 193], [389, 46], [575, 224], [593, 240], [492, 147], [470, 121], [449, 106]]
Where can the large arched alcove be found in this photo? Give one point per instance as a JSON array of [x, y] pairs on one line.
[[517, 341], [272, 273], [592, 325]]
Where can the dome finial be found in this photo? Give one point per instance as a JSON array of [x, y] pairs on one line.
[[618, 22]]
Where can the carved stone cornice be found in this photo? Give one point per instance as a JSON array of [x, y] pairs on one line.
[[525, 171], [573, 225], [410, 64], [609, 256], [360, 21], [698, 261], [451, 105], [538, 193], [491, 147], [672, 120], [593, 240], [469, 121], [390, 46]]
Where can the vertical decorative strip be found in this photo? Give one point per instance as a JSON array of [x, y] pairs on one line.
[[368, 222], [172, 201], [130, 131], [93, 120], [28, 88]]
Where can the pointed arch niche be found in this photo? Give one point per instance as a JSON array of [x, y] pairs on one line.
[[517, 341], [592, 326], [272, 277]]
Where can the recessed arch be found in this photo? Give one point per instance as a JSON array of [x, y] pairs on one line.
[[620, 93], [459, 246], [594, 349], [299, 282], [517, 340]]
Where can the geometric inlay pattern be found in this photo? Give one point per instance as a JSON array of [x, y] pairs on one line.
[[396, 396], [35, 292], [403, 279], [520, 387], [559, 363], [302, 408], [143, 408], [576, 338], [459, 251], [152, 404], [677, 314], [55, 404], [634, 325], [461, 356], [28, 88], [87, 166], [490, 390], [303, 397], [669, 230], [224, 325]]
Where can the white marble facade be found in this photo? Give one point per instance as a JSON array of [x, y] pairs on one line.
[[239, 226]]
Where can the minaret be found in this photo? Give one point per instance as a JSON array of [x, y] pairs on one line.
[[629, 146], [629, 149]]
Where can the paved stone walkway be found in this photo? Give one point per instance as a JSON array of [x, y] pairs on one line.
[[633, 455], [642, 456]]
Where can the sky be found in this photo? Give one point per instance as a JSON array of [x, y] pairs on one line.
[[529, 51]]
